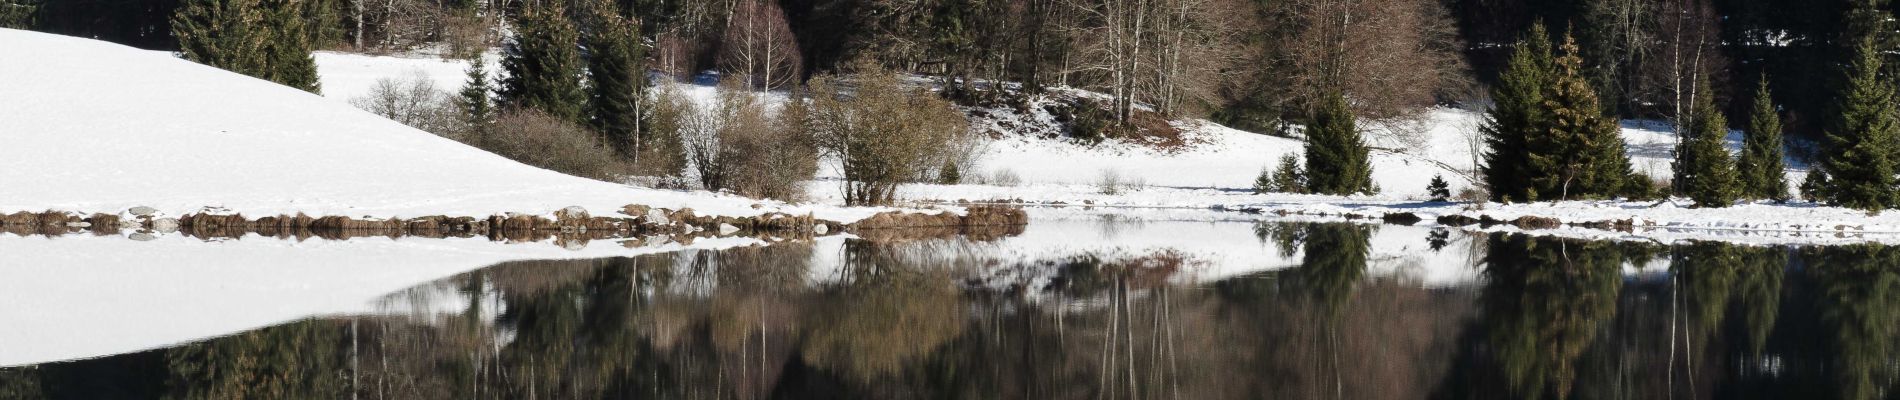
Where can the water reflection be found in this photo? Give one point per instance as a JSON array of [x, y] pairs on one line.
[[1549, 319]]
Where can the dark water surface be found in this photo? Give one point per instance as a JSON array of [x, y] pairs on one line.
[[1543, 319]]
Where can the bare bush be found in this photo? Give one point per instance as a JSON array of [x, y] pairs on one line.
[[881, 131], [539, 140], [1110, 183], [662, 151], [415, 101], [738, 144]]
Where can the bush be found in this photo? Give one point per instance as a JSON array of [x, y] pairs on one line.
[[1003, 177], [949, 174], [1110, 183], [537, 139], [415, 102], [661, 152], [881, 131], [738, 144]]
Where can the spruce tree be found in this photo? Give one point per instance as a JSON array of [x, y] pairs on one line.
[[617, 76], [1705, 173], [1861, 137], [1517, 115], [1760, 166], [543, 65], [477, 107], [1337, 160], [266, 39], [227, 34], [1580, 152], [287, 48], [1439, 189], [1289, 178]]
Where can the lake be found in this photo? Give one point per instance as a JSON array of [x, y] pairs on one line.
[[1084, 307]]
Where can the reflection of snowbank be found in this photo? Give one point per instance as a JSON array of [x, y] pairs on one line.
[[77, 296]]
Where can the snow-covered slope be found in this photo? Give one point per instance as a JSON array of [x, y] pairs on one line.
[[97, 127]]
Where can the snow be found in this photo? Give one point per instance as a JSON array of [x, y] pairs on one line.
[[179, 137], [81, 296]]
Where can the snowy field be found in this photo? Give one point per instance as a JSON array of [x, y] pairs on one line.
[[182, 137]]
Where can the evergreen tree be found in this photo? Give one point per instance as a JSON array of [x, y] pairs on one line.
[[1289, 178], [1759, 168], [543, 65], [226, 34], [17, 14], [1815, 185], [477, 107], [1705, 172], [287, 48], [618, 78], [1580, 153], [1439, 189], [1264, 183], [1862, 138], [267, 39], [1337, 160], [1517, 115]]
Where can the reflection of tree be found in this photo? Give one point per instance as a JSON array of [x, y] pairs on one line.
[[885, 315], [300, 360], [1284, 236], [1334, 264], [1758, 294], [1859, 298], [1542, 304]]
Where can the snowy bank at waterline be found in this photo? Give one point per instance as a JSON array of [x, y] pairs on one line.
[[82, 135]]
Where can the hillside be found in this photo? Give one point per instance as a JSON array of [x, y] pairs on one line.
[[182, 137]]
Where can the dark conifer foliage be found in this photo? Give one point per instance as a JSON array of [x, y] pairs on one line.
[[543, 65], [1761, 164], [1861, 138], [476, 99], [617, 72], [1580, 154], [1439, 189], [1517, 116], [261, 38], [1337, 159], [1706, 174]]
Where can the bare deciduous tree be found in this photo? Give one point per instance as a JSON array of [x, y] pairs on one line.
[[759, 46], [1390, 57]]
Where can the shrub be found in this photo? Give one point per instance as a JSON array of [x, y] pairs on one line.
[[738, 144], [949, 175], [1004, 177], [661, 151], [1110, 183], [415, 101], [880, 131], [539, 140]]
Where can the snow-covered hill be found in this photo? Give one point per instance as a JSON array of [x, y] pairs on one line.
[[91, 126]]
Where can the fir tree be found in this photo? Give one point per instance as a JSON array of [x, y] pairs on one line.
[[949, 175], [1337, 160], [543, 65], [1517, 116], [1760, 166], [1580, 153], [1704, 171], [617, 76], [477, 107], [1289, 178], [1439, 189], [1861, 139], [1264, 183]]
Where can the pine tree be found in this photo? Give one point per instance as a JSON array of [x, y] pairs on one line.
[[543, 65], [617, 76], [477, 107], [1289, 178], [1439, 189], [1760, 166], [1580, 153], [1337, 160], [1517, 116], [1264, 183], [1861, 139], [1705, 173], [1815, 185]]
